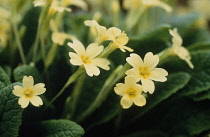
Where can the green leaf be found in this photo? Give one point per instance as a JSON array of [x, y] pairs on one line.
[[201, 96], [200, 75], [4, 77], [10, 112], [61, 128], [147, 133], [186, 117], [189, 29], [199, 46], [27, 70], [175, 82], [108, 110], [153, 41]]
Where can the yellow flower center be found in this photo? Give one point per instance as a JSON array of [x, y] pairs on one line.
[[131, 92], [85, 60], [28, 93], [144, 72]]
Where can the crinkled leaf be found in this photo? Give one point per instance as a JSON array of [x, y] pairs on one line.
[[61, 128], [175, 82], [187, 118], [200, 75], [4, 77], [27, 70], [202, 96], [10, 112], [147, 133]]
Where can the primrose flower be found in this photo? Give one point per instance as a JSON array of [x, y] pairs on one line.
[[29, 92], [102, 32], [178, 49], [145, 70], [119, 39], [88, 58], [61, 5], [130, 92], [59, 37]]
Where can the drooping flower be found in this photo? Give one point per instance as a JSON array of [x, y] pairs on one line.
[[102, 33], [119, 39], [29, 92], [130, 92], [178, 49], [88, 58], [59, 37], [145, 70]]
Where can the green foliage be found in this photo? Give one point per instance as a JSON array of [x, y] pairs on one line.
[[27, 70], [153, 41], [200, 75], [191, 119], [10, 112], [4, 77], [175, 82], [60, 128], [149, 133]]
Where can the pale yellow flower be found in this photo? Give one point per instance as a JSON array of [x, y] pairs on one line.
[[178, 49], [119, 39], [135, 4], [29, 92], [61, 5], [5, 30], [157, 3], [145, 70], [88, 58], [130, 92], [59, 37], [102, 32]]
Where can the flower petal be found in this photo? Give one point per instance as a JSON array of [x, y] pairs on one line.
[[120, 89], [18, 90], [28, 82], [36, 101], [158, 74], [92, 69], [131, 80], [139, 100], [77, 46], [151, 60], [73, 55], [113, 33], [23, 102], [93, 50], [102, 63], [135, 60], [148, 85], [126, 102], [176, 38], [39, 89]]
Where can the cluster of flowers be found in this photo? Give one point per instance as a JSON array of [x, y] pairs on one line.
[[140, 77]]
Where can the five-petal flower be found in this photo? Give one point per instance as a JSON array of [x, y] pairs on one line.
[[145, 70], [88, 58], [29, 92], [130, 92]]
